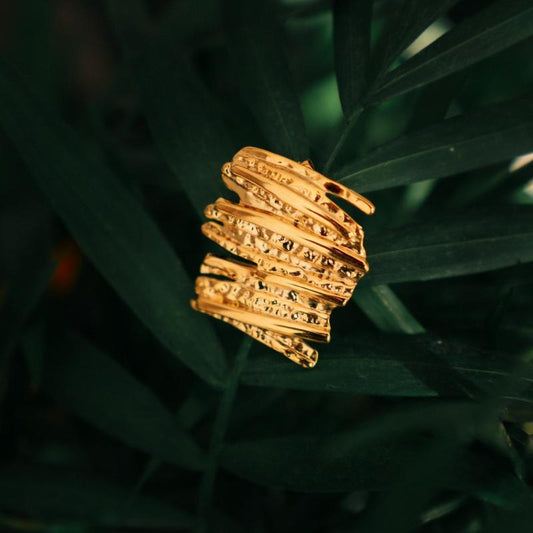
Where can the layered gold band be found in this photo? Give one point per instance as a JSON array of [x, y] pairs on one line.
[[302, 255]]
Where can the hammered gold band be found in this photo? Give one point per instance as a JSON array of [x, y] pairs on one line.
[[303, 255]]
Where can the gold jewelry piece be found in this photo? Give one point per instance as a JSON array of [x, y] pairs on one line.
[[303, 254]]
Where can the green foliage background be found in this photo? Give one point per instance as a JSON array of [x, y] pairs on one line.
[[122, 409]]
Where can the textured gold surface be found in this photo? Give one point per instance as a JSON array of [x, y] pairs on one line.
[[303, 255]]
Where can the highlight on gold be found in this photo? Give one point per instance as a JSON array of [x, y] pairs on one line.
[[301, 255]]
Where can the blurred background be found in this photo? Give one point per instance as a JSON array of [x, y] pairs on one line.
[[102, 427]]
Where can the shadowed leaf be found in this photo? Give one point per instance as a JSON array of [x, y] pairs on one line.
[[434, 101], [182, 115], [185, 125], [405, 23], [391, 365], [99, 390], [455, 244], [256, 42], [496, 28], [63, 495], [381, 305], [455, 145], [352, 47], [111, 226], [366, 458]]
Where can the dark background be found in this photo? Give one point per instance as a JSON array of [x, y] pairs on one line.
[[122, 409]]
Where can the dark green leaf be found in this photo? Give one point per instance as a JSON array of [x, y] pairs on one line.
[[63, 495], [191, 411], [512, 182], [182, 116], [261, 69], [113, 229], [185, 125], [391, 365], [381, 305], [475, 185], [433, 102], [415, 485], [444, 462], [455, 145], [406, 22], [365, 458], [496, 28], [99, 390], [444, 507], [351, 20], [455, 244]]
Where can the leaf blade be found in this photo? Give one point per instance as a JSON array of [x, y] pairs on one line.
[[256, 39], [113, 229], [477, 241], [65, 495], [488, 32], [454, 145], [99, 390], [351, 21], [381, 305], [403, 27], [182, 116], [367, 458], [185, 125], [391, 365]]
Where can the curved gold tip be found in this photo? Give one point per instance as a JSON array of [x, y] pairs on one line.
[[302, 255]]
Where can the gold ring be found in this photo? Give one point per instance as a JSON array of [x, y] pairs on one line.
[[301, 254]]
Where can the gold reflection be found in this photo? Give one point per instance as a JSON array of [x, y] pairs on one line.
[[301, 254]]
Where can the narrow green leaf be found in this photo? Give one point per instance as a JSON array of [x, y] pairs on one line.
[[433, 102], [381, 305], [185, 124], [391, 365], [261, 68], [512, 182], [195, 407], [443, 508], [455, 145], [404, 25], [99, 390], [474, 185], [218, 434], [351, 19], [367, 458], [499, 26], [54, 494], [416, 483], [112, 228], [455, 244], [182, 115]]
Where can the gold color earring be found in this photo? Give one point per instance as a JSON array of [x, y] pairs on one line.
[[302, 255]]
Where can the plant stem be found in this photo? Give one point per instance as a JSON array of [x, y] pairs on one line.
[[218, 434], [342, 138]]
